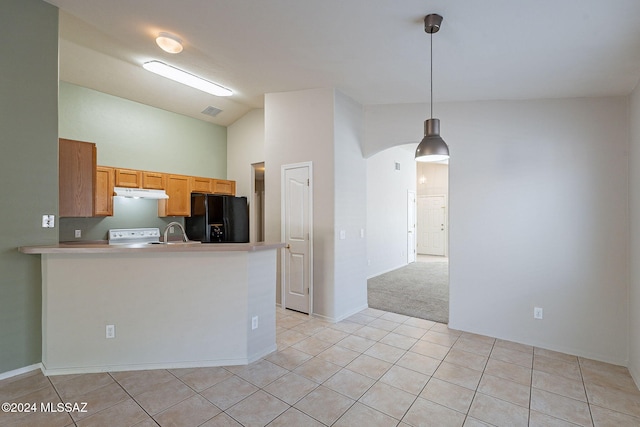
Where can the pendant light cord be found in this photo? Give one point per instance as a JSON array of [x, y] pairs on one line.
[[431, 74]]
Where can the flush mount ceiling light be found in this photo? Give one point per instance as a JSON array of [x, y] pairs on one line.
[[169, 43], [432, 148], [185, 78]]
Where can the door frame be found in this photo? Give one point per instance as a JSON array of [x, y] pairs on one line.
[[412, 212], [283, 283], [253, 218]]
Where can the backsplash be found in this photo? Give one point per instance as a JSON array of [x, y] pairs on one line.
[[127, 213]]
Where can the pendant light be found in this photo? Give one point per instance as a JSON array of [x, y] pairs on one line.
[[432, 148]]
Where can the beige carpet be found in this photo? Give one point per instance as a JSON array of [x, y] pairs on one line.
[[420, 289]]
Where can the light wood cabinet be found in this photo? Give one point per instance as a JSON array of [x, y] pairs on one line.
[[223, 186], [153, 180], [128, 178], [76, 178], [103, 202], [200, 185], [177, 187], [179, 201]]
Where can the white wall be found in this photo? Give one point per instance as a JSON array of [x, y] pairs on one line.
[[538, 217], [387, 208], [436, 178], [182, 326], [299, 127], [245, 146], [634, 202], [350, 188], [325, 127]]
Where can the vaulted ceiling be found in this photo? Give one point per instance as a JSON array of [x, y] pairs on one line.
[[375, 51]]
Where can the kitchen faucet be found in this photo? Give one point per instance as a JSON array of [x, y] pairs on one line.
[[177, 224]]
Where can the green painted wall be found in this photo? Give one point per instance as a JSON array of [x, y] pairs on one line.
[[28, 169], [133, 135]]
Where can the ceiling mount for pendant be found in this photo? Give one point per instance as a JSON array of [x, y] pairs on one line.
[[432, 23], [432, 148]]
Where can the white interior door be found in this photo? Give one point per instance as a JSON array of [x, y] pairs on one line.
[[432, 225], [296, 233], [411, 226]]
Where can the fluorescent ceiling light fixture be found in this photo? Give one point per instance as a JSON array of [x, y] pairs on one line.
[[185, 78], [169, 43]]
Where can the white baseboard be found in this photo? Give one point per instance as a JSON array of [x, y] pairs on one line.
[[254, 357], [148, 366], [342, 317], [143, 367], [634, 375], [386, 271], [9, 374]]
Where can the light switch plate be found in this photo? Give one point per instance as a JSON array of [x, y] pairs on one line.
[[537, 313], [48, 221], [111, 331]]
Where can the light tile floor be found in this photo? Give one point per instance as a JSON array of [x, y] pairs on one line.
[[373, 369]]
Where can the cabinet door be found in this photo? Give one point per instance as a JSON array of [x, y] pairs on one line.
[[128, 178], [200, 185], [76, 178], [223, 186], [179, 201], [103, 203], [153, 180]]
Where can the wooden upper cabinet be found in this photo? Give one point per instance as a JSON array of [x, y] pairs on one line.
[[179, 201], [103, 202], [200, 185], [77, 178], [177, 187], [153, 180], [212, 185], [223, 186], [128, 178]]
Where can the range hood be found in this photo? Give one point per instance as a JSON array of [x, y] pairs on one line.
[[139, 193]]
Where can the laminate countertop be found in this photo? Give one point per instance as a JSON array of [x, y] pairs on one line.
[[102, 247]]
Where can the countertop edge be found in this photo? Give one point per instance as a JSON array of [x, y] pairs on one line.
[[101, 248]]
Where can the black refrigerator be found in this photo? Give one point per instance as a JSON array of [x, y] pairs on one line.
[[218, 219]]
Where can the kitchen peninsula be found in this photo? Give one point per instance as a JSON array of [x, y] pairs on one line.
[[167, 306]]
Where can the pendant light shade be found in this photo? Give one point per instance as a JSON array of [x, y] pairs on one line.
[[432, 148]]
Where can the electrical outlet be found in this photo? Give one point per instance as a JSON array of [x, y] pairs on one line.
[[78, 234], [111, 331], [537, 313], [254, 322]]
